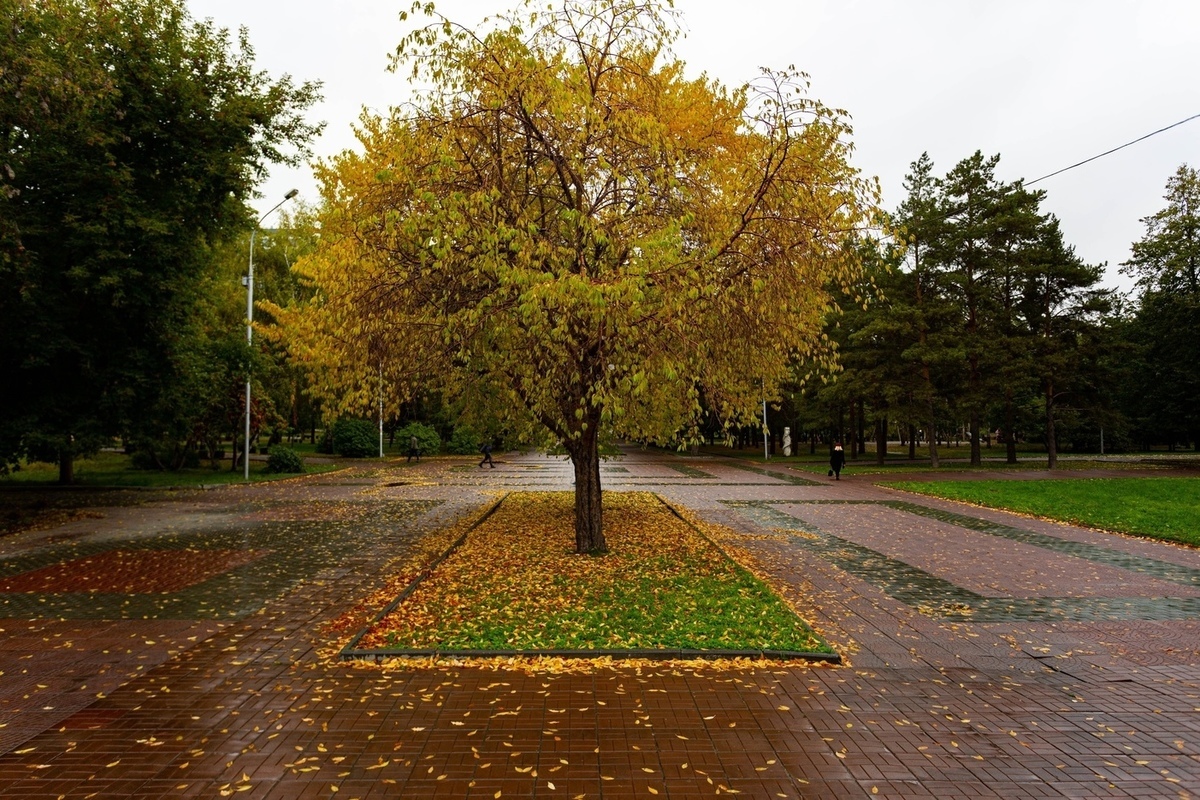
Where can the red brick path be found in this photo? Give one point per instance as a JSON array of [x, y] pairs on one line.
[[1080, 703], [131, 571]]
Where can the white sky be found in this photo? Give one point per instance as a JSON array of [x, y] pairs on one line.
[[1044, 83]]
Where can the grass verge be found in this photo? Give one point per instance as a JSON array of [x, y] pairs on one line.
[[116, 470], [899, 467], [1165, 508], [517, 585]]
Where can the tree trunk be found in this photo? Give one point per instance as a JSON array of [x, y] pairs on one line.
[[912, 442], [589, 522], [851, 447], [976, 455], [233, 458], [66, 467], [1051, 443], [881, 431], [931, 432], [861, 445], [1010, 427]]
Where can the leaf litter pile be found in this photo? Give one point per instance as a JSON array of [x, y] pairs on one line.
[[517, 584]]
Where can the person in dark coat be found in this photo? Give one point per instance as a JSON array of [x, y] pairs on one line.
[[837, 460], [487, 455]]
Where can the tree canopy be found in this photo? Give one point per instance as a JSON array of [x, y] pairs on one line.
[[1167, 258], [987, 316], [1166, 327], [132, 139], [570, 232]]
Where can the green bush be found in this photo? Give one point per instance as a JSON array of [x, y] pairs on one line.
[[284, 459], [427, 438], [164, 456], [355, 438], [464, 441]]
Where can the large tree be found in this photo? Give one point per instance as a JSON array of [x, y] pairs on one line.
[[920, 297], [986, 228], [1167, 258], [569, 230], [1166, 263], [1061, 307], [132, 139]]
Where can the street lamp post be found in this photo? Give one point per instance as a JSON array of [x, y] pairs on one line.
[[250, 321]]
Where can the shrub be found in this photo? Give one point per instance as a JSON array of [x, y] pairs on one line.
[[284, 459], [164, 456], [464, 441], [427, 438], [355, 438]]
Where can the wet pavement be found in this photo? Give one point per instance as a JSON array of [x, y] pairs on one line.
[[180, 648]]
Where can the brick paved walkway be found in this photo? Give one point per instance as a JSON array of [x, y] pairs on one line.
[[987, 655]]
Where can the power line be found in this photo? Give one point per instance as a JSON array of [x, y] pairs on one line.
[[1115, 149]]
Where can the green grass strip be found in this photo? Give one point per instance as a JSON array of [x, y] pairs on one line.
[[514, 584], [1160, 508], [116, 470]]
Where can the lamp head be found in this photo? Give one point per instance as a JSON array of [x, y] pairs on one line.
[[291, 194]]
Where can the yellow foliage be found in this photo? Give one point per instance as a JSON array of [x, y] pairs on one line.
[[568, 231]]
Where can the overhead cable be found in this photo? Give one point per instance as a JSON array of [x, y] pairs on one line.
[[1115, 149]]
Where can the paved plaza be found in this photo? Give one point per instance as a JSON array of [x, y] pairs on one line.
[[181, 648]]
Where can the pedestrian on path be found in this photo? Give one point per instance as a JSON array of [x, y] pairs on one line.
[[487, 455], [837, 460], [414, 448]]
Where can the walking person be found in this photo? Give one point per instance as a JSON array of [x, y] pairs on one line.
[[414, 448], [837, 460], [487, 455]]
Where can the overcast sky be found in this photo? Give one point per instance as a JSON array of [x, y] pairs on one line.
[[1044, 84]]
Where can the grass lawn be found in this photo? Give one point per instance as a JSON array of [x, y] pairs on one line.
[[1162, 508], [516, 584], [897, 459], [114, 469], [867, 466]]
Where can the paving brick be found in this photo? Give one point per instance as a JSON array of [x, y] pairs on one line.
[[987, 655]]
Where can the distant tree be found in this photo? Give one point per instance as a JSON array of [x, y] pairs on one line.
[[1166, 326], [986, 313], [571, 233], [210, 359], [1162, 396], [281, 383], [873, 336], [1167, 258], [133, 138], [1062, 306], [987, 225], [931, 346]]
